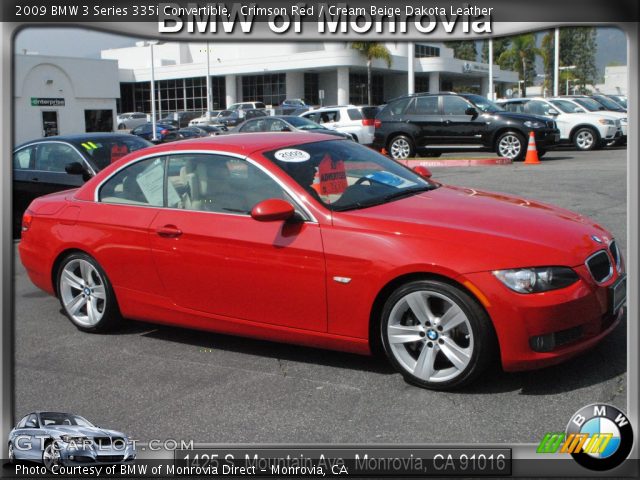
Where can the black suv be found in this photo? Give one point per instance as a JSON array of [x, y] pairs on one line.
[[432, 123]]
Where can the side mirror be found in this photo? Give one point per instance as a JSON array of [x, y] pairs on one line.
[[424, 172], [553, 111], [272, 210], [74, 168], [471, 111]]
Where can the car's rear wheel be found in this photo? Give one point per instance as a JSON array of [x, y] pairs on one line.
[[86, 294], [585, 139], [512, 146], [50, 456], [436, 335], [12, 453], [401, 147]]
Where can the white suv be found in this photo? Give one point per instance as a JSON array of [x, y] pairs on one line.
[[584, 130], [357, 121], [589, 105]]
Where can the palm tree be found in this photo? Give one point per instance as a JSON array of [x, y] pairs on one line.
[[520, 56], [372, 51]]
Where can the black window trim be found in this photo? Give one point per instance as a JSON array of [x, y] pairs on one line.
[[37, 144], [298, 205]]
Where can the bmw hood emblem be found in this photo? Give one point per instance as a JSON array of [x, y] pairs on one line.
[[596, 239]]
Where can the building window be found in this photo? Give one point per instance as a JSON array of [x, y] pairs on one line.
[[311, 88], [358, 89], [422, 83], [98, 120], [426, 51], [270, 89]]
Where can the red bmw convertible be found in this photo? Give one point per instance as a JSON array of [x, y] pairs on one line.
[[318, 241]]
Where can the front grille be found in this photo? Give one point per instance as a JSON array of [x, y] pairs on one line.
[[110, 458], [102, 441], [615, 253], [599, 266]]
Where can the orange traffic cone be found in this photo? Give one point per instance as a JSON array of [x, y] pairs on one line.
[[532, 153]]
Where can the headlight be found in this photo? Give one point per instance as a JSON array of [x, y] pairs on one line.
[[605, 121], [623, 121], [74, 439], [530, 124], [535, 280]]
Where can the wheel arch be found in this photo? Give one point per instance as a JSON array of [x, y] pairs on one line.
[[375, 342], [505, 129], [585, 125]]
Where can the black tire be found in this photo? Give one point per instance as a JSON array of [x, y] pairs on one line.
[[585, 139], [401, 147], [474, 336], [88, 289], [122, 126], [512, 145]]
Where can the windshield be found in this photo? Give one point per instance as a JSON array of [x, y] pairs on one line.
[[484, 104], [566, 106], [304, 123], [621, 100], [590, 104], [610, 104], [55, 418], [104, 151], [345, 175]]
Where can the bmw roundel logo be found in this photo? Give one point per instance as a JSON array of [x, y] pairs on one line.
[[605, 436], [596, 239], [432, 334]]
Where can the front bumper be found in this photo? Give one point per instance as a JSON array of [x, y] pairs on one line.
[[93, 455], [576, 315], [547, 138]]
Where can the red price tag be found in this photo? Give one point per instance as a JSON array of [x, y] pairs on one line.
[[333, 177], [118, 151]]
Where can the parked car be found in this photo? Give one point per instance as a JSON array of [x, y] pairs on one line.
[[164, 132], [52, 164], [293, 106], [336, 246], [247, 106], [205, 130], [619, 99], [431, 123], [58, 439], [287, 123], [586, 104], [232, 118], [130, 120], [357, 121], [609, 104], [585, 131], [179, 119], [208, 118], [192, 132]]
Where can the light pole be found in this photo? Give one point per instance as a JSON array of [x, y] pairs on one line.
[[491, 70], [209, 93], [570, 67], [151, 43], [556, 63]]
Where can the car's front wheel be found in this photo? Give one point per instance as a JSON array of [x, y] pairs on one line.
[[12, 453], [401, 147], [585, 139], [436, 335], [512, 146], [86, 294], [50, 456]]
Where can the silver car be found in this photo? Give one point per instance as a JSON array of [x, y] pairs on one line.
[[55, 438], [129, 121]]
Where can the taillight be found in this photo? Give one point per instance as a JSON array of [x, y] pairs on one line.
[[368, 122], [27, 218], [377, 123], [164, 132]]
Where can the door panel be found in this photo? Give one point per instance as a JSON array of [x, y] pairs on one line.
[[424, 116], [458, 127]]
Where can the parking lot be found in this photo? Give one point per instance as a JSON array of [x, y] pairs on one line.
[[158, 382]]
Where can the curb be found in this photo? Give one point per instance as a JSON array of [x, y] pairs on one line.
[[460, 162]]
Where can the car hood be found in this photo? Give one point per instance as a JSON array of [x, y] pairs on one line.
[[503, 231], [85, 431]]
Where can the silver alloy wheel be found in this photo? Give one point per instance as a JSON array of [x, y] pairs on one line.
[[400, 149], [50, 456], [83, 292], [509, 146], [12, 455], [585, 139], [430, 336]]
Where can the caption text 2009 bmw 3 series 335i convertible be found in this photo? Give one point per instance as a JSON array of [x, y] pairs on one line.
[[318, 241]]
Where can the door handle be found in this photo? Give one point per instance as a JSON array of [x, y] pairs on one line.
[[169, 231], [447, 122], [35, 179]]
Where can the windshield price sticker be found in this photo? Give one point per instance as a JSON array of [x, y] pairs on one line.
[[319, 462], [292, 155]]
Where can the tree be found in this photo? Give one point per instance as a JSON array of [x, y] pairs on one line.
[[578, 47], [372, 51], [547, 52], [521, 56], [499, 46], [463, 49]]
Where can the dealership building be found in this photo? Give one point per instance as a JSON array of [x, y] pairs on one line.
[[326, 73], [62, 95]]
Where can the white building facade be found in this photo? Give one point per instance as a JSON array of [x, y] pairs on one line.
[[61, 95], [326, 73]]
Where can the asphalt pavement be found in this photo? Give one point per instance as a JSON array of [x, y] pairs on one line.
[[156, 382]]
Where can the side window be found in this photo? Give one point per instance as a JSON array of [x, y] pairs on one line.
[[536, 107], [278, 126], [354, 114], [22, 422], [452, 105], [22, 159], [330, 116], [314, 117], [32, 421], [53, 157], [138, 184], [216, 183], [396, 108], [426, 106]]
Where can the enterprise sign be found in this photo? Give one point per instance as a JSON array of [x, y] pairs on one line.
[[47, 102]]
